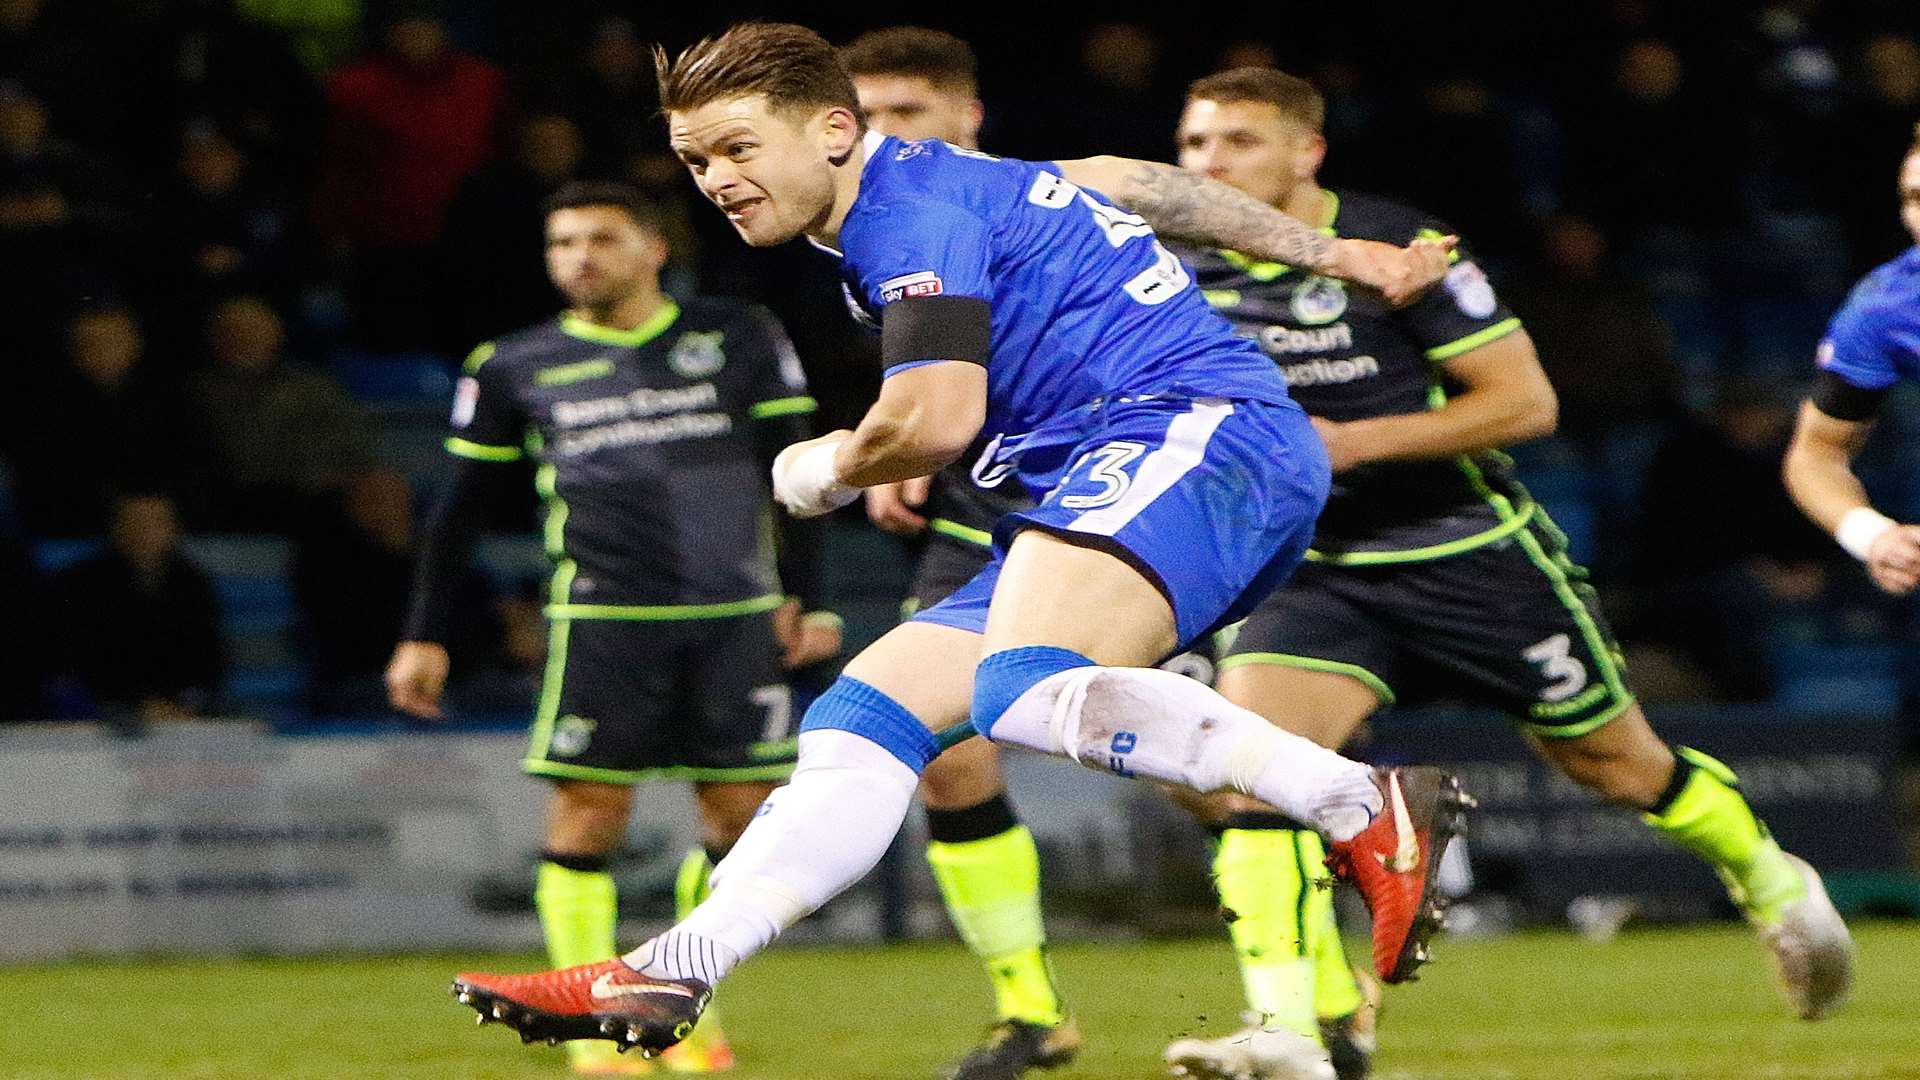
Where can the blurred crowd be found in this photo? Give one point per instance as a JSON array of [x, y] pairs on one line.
[[249, 240]]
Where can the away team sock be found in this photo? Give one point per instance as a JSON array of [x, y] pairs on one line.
[[988, 870], [1704, 812], [1264, 873], [575, 898], [1336, 992], [578, 907]]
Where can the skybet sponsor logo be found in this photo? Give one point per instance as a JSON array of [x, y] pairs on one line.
[[908, 286]]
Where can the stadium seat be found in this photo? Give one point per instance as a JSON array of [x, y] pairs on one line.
[[405, 380], [52, 556]]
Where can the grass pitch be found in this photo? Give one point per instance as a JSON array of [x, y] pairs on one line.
[[1691, 1005]]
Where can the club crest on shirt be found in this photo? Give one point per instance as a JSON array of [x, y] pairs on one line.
[[697, 354], [571, 734], [1318, 300], [908, 286]]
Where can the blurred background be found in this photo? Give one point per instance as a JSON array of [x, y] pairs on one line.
[[249, 240]]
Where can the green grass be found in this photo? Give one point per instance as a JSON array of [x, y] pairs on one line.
[[1688, 1004]]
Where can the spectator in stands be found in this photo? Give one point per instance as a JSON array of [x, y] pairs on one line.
[[55, 53], [1601, 342], [1119, 102], [1654, 151], [221, 229], [1725, 552], [202, 59], [59, 209], [351, 575], [1606, 350], [288, 436], [1457, 119], [408, 124], [102, 422], [141, 622], [613, 86], [1870, 137], [494, 245]]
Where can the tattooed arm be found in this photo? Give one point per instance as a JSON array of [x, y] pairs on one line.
[[1187, 206]]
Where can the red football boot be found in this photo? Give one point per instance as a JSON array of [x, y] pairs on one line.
[[607, 1000], [1393, 862]]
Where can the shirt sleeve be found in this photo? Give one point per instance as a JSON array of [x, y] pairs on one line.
[[906, 250], [1463, 312], [778, 384], [488, 424], [1867, 344]]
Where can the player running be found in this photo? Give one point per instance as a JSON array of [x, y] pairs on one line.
[[1016, 305], [653, 424], [1872, 343], [915, 84], [1430, 565]]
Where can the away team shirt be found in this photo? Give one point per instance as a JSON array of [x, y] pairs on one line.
[[1347, 355], [657, 502]]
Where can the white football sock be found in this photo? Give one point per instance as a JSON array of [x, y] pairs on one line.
[[811, 840], [1169, 727]]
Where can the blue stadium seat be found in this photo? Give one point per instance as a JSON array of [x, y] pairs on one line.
[[395, 379], [53, 556], [1779, 334]]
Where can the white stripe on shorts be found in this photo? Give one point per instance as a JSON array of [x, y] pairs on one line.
[[1186, 444]]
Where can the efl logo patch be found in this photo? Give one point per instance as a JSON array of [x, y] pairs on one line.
[[908, 286], [1471, 290], [466, 397]]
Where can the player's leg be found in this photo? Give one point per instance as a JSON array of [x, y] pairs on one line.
[[590, 737], [1547, 656], [1309, 663], [1103, 577], [1695, 801], [986, 865]]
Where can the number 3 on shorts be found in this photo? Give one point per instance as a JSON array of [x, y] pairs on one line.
[[1569, 675], [1108, 469]]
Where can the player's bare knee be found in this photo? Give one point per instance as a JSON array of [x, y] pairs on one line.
[[1622, 761], [586, 817], [726, 809]]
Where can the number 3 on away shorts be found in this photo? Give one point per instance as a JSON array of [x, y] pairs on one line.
[[1556, 663], [1108, 465]]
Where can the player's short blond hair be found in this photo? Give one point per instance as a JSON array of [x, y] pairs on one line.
[[793, 66], [943, 60], [1295, 97]]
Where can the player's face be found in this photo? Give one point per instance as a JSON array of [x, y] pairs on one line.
[[910, 107], [598, 255], [1251, 145], [770, 172], [1910, 196]]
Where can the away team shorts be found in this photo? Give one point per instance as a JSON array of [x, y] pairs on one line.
[[689, 699], [1512, 624]]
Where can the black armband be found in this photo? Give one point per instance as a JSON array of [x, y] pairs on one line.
[[1842, 400], [932, 328]]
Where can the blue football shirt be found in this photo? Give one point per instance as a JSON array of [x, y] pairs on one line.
[[1874, 339], [1087, 305]]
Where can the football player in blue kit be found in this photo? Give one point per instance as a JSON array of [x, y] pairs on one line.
[[1177, 484], [1872, 343]]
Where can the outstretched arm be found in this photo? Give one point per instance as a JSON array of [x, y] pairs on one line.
[[1819, 475], [1187, 206]]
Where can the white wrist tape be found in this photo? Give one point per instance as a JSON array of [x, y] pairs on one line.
[[1859, 528], [805, 482]]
